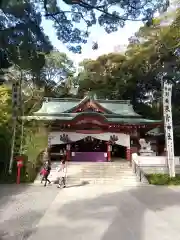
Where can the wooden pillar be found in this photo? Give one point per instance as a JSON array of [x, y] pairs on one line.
[[68, 152], [108, 151], [128, 154]]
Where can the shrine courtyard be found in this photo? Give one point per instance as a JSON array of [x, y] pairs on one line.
[[89, 212]]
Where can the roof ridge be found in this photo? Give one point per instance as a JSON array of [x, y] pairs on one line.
[[51, 99], [118, 101]]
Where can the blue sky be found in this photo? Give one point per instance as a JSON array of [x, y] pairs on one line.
[[106, 42]]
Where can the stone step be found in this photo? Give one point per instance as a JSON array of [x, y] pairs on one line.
[[119, 173], [100, 181], [81, 176]]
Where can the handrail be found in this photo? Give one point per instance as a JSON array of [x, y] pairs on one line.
[[138, 171]]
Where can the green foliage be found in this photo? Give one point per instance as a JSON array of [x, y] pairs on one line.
[[5, 127], [138, 74], [35, 142], [57, 71], [5, 105], [22, 40], [73, 23], [163, 179]]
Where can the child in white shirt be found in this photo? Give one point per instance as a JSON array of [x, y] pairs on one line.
[[62, 174]]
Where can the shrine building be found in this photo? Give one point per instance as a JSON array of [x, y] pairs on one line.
[[92, 129]]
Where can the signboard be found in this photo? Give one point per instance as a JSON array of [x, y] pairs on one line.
[[168, 127]]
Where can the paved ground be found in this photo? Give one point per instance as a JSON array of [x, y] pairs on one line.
[[89, 212]]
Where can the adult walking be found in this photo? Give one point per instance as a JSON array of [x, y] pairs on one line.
[[47, 167], [47, 171]]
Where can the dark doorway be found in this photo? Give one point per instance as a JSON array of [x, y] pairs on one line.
[[56, 151], [118, 151], [89, 145]]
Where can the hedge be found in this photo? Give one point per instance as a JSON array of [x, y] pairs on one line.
[[163, 179]]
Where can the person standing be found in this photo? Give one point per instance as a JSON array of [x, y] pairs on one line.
[[62, 176]]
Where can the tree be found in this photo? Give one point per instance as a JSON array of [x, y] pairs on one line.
[[108, 14], [22, 40], [139, 76], [5, 126], [5, 103], [102, 75], [26, 19], [58, 69]]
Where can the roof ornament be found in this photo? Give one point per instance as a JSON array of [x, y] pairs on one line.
[[64, 138], [113, 139]]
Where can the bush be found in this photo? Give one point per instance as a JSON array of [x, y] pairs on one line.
[[163, 179], [34, 144]]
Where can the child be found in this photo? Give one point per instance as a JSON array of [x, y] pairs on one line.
[[62, 171]]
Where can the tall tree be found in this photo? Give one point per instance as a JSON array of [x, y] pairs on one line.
[[57, 71], [26, 17], [107, 13], [22, 40], [146, 62]]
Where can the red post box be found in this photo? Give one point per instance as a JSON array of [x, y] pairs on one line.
[[20, 160]]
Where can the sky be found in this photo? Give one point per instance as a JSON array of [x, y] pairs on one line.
[[106, 42]]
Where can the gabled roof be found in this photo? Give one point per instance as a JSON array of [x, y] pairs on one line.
[[124, 108], [64, 109], [67, 105], [57, 105]]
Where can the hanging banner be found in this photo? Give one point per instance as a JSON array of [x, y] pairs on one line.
[[168, 127]]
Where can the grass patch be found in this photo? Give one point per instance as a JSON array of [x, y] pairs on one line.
[[163, 179]]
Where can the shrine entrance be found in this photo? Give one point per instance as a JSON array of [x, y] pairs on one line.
[[98, 147], [89, 149], [118, 152], [57, 151], [89, 144]]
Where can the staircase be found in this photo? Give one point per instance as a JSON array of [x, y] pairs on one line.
[[79, 173]]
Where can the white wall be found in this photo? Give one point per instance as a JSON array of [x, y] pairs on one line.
[[123, 139], [154, 160]]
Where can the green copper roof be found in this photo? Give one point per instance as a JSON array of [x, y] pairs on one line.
[[119, 107], [110, 120], [57, 106], [115, 111], [155, 132]]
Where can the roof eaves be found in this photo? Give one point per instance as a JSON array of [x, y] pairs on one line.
[[86, 98]]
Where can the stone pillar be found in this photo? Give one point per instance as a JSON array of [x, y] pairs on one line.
[[108, 151], [68, 152], [128, 154]]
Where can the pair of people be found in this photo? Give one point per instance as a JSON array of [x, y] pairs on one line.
[[62, 170]]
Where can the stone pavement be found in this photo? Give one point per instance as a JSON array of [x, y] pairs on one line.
[[91, 212]]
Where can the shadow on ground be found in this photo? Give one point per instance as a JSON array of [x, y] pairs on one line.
[[21, 208], [142, 213], [83, 183]]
